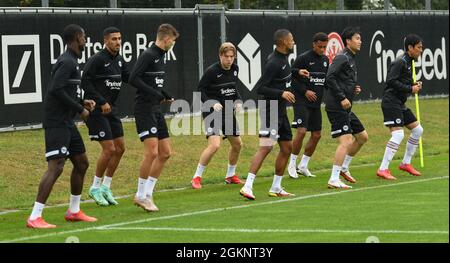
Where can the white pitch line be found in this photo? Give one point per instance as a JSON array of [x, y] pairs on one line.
[[278, 230], [220, 209], [160, 191]]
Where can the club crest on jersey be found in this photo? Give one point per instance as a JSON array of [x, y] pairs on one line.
[[325, 64], [235, 73], [120, 63]]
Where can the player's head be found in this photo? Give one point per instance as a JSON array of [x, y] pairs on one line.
[[74, 36], [112, 38], [284, 40], [413, 45], [166, 36], [227, 54], [320, 41], [351, 36]]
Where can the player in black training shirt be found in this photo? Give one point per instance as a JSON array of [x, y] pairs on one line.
[[275, 86], [221, 99], [148, 78], [62, 139], [341, 83], [308, 71], [102, 80], [399, 84]]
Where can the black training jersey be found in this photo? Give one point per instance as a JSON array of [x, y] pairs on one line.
[[317, 66], [275, 80], [219, 84], [63, 99], [102, 78], [341, 80], [148, 78], [399, 81]]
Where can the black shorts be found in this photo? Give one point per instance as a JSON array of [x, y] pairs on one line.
[[280, 132], [396, 116], [104, 127], [63, 142], [151, 124], [343, 122], [307, 117], [215, 122]]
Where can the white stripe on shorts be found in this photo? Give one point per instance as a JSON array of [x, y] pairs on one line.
[[389, 122], [336, 132], [142, 134], [55, 152]]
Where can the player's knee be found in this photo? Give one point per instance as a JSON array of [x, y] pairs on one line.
[[236, 146], [301, 132], [165, 155], [120, 150], [151, 154], [417, 132], [397, 136], [286, 149], [315, 136], [265, 149], [82, 165], [109, 151], [363, 138], [214, 147]]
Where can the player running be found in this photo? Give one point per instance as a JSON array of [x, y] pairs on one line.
[[275, 86], [218, 93], [62, 139], [341, 83], [148, 77], [309, 71], [396, 115], [102, 79]]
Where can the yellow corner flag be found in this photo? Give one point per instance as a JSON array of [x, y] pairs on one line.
[[418, 114]]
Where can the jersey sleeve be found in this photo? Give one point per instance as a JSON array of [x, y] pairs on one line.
[[338, 64]]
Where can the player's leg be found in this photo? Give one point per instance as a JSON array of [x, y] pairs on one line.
[[80, 165], [315, 127], [205, 158], [164, 153], [233, 156], [266, 146], [393, 119], [413, 142], [276, 190], [344, 142], [301, 119], [56, 144], [360, 138], [119, 149]]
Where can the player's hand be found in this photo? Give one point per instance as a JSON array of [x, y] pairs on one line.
[[357, 89], [346, 104], [89, 105], [84, 115], [287, 95], [238, 107], [416, 87], [106, 108], [217, 107], [303, 73], [311, 95]]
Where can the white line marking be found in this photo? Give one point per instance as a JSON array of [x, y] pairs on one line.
[[219, 210], [175, 189], [278, 230]]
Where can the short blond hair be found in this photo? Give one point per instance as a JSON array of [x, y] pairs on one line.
[[225, 47]]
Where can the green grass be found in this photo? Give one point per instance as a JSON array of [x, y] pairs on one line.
[[373, 205]]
